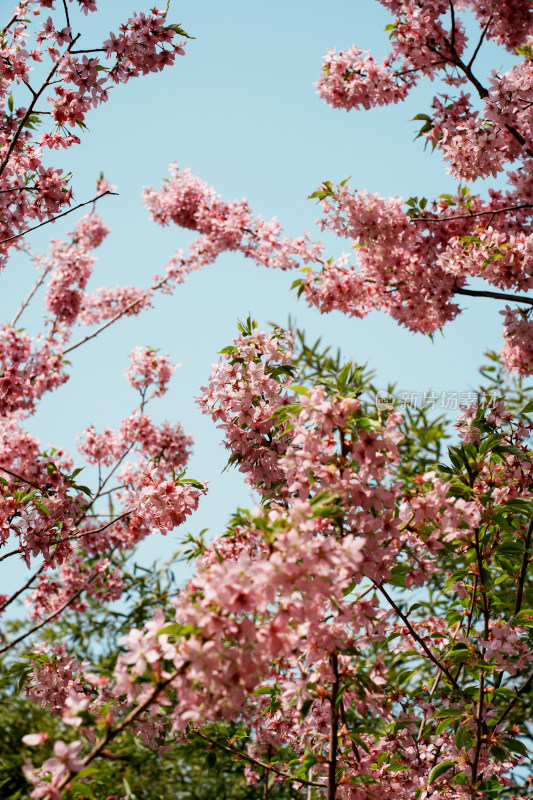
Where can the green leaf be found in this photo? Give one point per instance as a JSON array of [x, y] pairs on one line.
[[306, 707], [461, 736], [438, 770], [296, 387], [515, 746], [179, 29], [499, 753], [405, 675]]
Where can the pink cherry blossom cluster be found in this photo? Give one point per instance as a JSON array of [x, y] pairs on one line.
[[145, 44], [148, 369], [298, 621], [275, 607], [478, 138], [247, 386], [28, 369], [76, 82], [352, 78], [412, 262], [162, 505], [187, 201], [518, 332]]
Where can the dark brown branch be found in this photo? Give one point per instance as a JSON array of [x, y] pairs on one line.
[[452, 15], [22, 588], [29, 110], [29, 86], [49, 618], [10, 23], [111, 733], [516, 698], [523, 568], [18, 189], [334, 732], [519, 298], [418, 638], [20, 478], [113, 319], [481, 39], [254, 761], [58, 216], [473, 214], [30, 295], [93, 50], [66, 14]]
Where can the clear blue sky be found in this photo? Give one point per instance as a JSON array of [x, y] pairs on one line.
[[240, 109]]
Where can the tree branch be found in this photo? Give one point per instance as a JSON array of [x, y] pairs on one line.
[[10, 23], [523, 568], [334, 732], [30, 295], [255, 761], [58, 216], [22, 588], [48, 619], [30, 108], [478, 47], [419, 639], [473, 214], [66, 13], [20, 478], [496, 295], [111, 733]]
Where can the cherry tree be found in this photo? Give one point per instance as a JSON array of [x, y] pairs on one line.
[[365, 630]]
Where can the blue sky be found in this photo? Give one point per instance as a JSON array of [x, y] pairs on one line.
[[240, 109]]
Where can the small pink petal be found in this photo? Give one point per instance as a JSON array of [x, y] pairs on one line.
[[33, 739]]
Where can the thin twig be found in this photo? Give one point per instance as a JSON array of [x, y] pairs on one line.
[[473, 214], [519, 298], [334, 731], [28, 86], [523, 568], [18, 189], [514, 701], [111, 733], [22, 588], [113, 319], [418, 638], [483, 34], [30, 295], [20, 478], [255, 761], [58, 216], [29, 110], [48, 619]]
